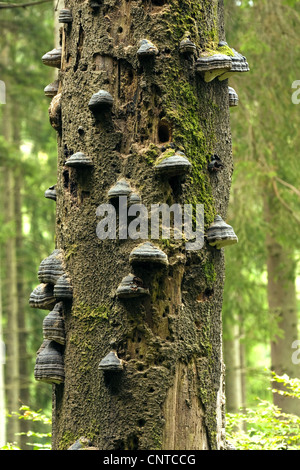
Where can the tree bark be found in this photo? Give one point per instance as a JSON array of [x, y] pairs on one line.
[[170, 394]]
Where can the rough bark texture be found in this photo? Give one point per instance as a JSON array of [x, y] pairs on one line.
[[170, 395]]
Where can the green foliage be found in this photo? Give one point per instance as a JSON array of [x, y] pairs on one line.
[[266, 427], [41, 440]]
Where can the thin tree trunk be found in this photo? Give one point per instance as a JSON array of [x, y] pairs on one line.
[[170, 394], [282, 300], [2, 362], [233, 383]]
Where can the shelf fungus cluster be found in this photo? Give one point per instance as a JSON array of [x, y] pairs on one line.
[[50, 294]]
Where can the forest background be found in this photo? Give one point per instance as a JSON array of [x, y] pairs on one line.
[[262, 290]]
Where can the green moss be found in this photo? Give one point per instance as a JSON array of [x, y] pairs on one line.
[[87, 313], [151, 154], [210, 274], [71, 251]]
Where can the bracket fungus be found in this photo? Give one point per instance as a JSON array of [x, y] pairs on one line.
[[49, 364], [233, 97], [50, 193], [42, 297], [63, 289], [131, 287], [134, 199], [239, 64], [220, 234], [81, 444], [53, 58], [79, 160], [54, 325], [52, 89], [54, 112], [174, 165], [51, 268], [111, 363], [146, 49], [187, 47], [148, 253], [121, 188], [65, 16], [211, 66], [101, 101]]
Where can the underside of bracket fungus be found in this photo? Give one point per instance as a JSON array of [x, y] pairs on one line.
[[54, 325], [221, 234], [51, 268], [50, 193], [239, 64], [121, 188], [79, 160], [148, 253], [101, 101], [53, 58], [233, 97], [174, 165], [42, 297], [49, 364], [211, 66], [65, 16], [111, 363], [51, 90], [63, 289], [187, 47], [131, 287], [146, 49]]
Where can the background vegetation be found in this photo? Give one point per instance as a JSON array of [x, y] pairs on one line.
[[261, 298]]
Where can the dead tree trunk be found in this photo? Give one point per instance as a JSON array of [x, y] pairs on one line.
[[169, 394]]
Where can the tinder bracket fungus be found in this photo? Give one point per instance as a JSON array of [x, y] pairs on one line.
[[146, 50], [52, 267], [111, 363], [220, 234], [50, 193], [131, 287], [51, 90], [54, 325], [49, 365], [54, 111], [239, 64], [187, 47], [101, 102], [79, 160], [148, 254], [63, 289], [65, 16], [173, 165], [211, 66], [233, 97], [53, 58], [42, 297]]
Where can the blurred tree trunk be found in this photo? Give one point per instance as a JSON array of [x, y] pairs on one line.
[[282, 298], [10, 285], [171, 392], [234, 379], [2, 362]]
